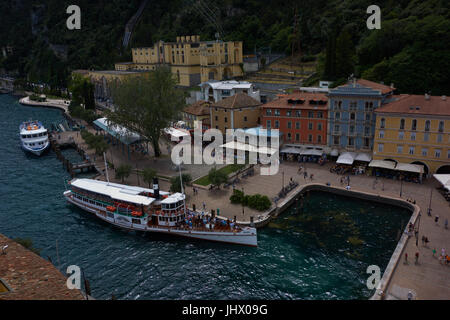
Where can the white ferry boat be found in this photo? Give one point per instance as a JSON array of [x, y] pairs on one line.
[[152, 210], [34, 137]]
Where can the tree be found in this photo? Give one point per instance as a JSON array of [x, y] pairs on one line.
[[330, 58], [147, 104], [100, 145], [345, 55], [82, 91], [217, 177], [123, 172], [148, 174], [175, 184]]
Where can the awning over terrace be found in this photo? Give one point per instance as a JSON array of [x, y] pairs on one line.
[[311, 152], [177, 133], [382, 164], [291, 150], [235, 145], [417, 168], [444, 179], [365, 157], [119, 132], [346, 158], [334, 153]]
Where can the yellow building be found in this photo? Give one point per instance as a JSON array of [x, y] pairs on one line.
[[237, 112], [103, 79], [192, 61], [415, 129]]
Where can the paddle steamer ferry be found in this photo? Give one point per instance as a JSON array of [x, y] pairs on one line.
[[152, 210], [34, 137]]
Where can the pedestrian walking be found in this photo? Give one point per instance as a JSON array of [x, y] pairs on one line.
[[426, 241], [342, 181], [311, 176], [305, 175], [417, 257], [446, 223], [436, 220], [204, 206], [423, 240], [434, 252], [410, 295], [406, 258]]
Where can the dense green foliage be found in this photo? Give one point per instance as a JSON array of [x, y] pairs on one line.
[[96, 142], [411, 49], [123, 172], [147, 105], [148, 174], [175, 183], [217, 177], [79, 112], [256, 201], [82, 91]]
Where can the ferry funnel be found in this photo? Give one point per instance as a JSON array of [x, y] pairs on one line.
[[156, 188]]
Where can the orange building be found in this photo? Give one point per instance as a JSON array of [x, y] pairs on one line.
[[301, 117]]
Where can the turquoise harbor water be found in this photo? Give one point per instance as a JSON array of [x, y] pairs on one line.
[[300, 256]]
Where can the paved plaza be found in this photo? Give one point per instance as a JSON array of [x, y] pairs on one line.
[[429, 279]]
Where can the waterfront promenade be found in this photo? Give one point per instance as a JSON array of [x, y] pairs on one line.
[[429, 279], [50, 103]]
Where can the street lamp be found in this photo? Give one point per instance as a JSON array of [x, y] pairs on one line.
[[429, 205], [243, 195], [401, 187]]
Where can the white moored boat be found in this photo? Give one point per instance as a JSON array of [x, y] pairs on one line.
[[34, 137], [151, 210]]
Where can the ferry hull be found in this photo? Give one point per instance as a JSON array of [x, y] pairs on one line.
[[247, 237], [36, 152]]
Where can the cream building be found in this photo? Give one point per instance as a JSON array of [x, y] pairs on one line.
[[192, 61]]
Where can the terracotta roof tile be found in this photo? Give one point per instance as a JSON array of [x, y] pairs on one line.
[[30, 277], [199, 108], [283, 101], [239, 100], [376, 86], [417, 104]]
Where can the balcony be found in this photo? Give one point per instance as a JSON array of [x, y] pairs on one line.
[[352, 134], [336, 133]]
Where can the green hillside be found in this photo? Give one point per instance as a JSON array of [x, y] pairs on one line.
[[411, 50]]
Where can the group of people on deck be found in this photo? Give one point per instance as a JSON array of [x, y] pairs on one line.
[[202, 220]]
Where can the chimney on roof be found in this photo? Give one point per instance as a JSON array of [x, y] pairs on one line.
[[392, 85], [444, 98], [427, 96]]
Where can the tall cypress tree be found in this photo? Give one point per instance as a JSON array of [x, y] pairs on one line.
[[345, 55], [330, 58]]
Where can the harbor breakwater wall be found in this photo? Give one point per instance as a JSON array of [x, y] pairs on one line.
[[296, 194]]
